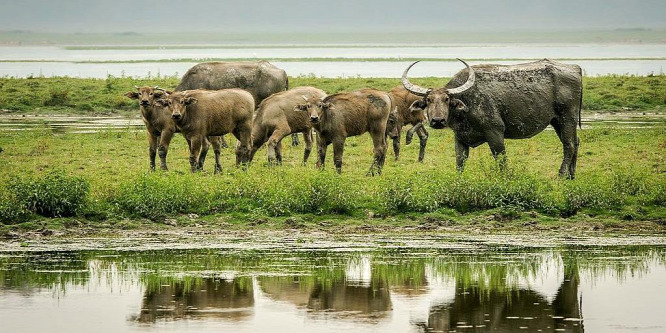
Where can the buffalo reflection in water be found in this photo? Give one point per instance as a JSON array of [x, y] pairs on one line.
[[509, 310], [337, 297], [205, 298]]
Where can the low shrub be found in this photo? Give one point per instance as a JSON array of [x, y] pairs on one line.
[[158, 195], [55, 194]]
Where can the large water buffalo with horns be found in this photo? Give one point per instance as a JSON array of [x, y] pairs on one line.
[[488, 103]]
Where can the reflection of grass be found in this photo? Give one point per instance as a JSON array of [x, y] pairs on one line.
[[486, 270]]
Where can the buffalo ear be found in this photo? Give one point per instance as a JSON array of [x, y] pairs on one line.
[[158, 94], [160, 102], [191, 100], [457, 105], [132, 95]]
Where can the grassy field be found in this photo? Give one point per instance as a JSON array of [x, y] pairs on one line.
[[103, 178], [105, 96]]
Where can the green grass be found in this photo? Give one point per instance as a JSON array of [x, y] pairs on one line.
[[621, 171], [65, 95], [621, 175]]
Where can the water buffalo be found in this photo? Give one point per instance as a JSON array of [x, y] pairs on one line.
[[260, 78], [342, 115], [409, 111], [160, 126], [280, 115], [201, 113], [488, 103]]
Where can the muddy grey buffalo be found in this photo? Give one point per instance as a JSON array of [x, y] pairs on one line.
[[488, 103], [260, 78], [201, 113], [161, 127], [342, 115], [408, 111], [282, 114]]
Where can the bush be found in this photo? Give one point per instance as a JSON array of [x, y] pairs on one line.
[[54, 195], [156, 195], [57, 97], [11, 211]]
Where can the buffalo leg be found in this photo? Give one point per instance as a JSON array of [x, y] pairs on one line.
[[423, 140], [152, 149], [163, 149], [278, 152], [322, 146], [273, 142], [396, 147], [496, 143], [202, 156], [338, 149], [379, 143], [195, 150], [216, 142], [570, 142], [410, 133], [294, 140], [307, 137], [574, 160], [244, 146], [462, 153], [223, 142]]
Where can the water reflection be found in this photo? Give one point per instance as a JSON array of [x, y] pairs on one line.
[[205, 298], [319, 290], [335, 298], [509, 310]]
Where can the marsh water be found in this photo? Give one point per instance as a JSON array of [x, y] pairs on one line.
[[343, 60], [94, 124], [314, 288]]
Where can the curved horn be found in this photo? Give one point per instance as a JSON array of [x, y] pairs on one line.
[[468, 84], [158, 88], [137, 87], [412, 88]]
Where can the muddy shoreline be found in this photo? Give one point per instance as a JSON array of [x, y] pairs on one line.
[[160, 237]]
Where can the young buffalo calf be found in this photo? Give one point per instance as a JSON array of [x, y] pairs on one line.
[[339, 116], [201, 113], [282, 114], [160, 125], [410, 110]]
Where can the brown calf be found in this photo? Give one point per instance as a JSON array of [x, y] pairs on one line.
[[410, 110], [160, 126], [282, 114], [339, 116], [201, 113]]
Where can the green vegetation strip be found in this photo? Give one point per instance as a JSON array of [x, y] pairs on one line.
[[100, 176], [64, 95]]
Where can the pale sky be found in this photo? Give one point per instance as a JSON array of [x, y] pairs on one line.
[[328, 16]]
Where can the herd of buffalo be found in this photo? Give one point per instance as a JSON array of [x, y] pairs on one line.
[[252, 100]]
